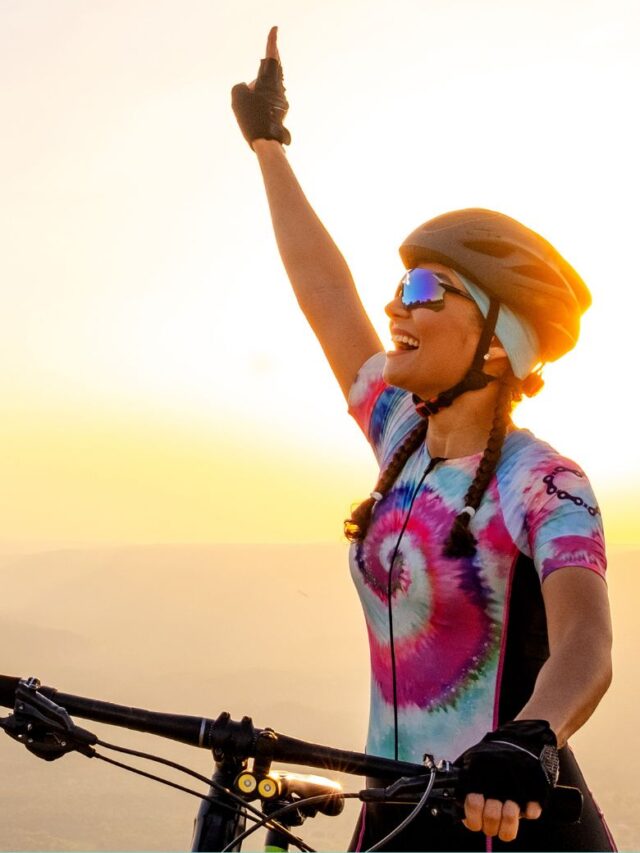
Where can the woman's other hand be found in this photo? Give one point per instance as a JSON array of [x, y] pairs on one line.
[[260, 108], [509, 774]]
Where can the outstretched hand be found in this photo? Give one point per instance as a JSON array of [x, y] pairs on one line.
[[271, 52], [261, 107]]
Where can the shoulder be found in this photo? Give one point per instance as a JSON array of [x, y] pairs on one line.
[[538, 470], [550, 506]]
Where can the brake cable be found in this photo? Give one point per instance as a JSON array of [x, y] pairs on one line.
[[54, 723], [247, 809], [154, 778], [278, 814], [319, 797], [409, 818]]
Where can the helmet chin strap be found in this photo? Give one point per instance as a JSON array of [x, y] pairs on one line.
[[474, 378]]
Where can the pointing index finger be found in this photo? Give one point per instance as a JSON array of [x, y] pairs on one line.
[[272, 45]]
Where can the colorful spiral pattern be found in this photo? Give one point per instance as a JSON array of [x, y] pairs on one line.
[[444, 633]]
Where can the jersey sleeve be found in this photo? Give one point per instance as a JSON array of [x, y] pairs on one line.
[[563, 521], [384, 413]]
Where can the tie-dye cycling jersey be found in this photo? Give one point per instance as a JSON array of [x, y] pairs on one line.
[[469, 633]]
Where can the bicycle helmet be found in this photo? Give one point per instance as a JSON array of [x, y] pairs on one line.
[[513, 265]]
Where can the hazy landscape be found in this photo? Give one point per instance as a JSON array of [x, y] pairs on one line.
[[274, 632]]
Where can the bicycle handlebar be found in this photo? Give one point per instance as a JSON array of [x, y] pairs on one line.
[[217, 734], [242, 740]]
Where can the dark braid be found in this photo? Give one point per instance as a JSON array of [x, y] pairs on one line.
[[355, 528], [461, 542]]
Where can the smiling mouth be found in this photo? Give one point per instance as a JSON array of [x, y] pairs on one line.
[[404, 343]]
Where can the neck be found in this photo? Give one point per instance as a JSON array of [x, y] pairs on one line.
[[463, 428]]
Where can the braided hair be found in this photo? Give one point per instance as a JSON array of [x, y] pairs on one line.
[[460, 542], [355, 528]]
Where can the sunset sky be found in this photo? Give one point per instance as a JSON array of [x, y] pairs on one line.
[[172, 440], [143, 398]]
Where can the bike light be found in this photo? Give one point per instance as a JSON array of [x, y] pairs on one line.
[[246, 783], [268, 788]]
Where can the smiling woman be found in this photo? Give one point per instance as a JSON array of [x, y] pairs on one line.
[[478, 539]]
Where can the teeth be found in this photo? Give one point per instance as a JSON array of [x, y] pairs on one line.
[[405, 339]]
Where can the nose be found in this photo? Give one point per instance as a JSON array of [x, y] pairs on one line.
[[395, 308]]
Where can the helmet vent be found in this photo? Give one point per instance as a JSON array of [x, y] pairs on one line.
[[495, 248], [540, 273]]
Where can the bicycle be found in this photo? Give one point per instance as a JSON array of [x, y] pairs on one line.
[[46, 729]]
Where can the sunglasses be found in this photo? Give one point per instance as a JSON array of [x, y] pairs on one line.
[[421, 288]]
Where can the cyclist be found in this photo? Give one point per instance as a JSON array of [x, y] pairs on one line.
[[479, 556]]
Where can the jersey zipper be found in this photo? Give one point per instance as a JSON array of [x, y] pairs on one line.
[[432, 464]]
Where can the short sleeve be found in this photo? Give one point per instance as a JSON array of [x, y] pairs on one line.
[[384, 413], [563, 520]]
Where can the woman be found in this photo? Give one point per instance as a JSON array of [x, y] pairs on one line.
[[479, 556]]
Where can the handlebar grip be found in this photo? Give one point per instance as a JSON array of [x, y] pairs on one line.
[[8, 686], [565, 804]]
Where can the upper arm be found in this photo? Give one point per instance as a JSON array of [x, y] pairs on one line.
[[344, 332], [578, 672], [577, 608]]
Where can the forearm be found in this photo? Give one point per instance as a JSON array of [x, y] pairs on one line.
[[314, 264], [570, 685]]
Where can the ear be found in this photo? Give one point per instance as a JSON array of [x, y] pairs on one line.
[[496, 350], [494, 360]]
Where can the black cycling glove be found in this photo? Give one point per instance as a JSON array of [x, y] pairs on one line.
[[261, 112], [518, 761]]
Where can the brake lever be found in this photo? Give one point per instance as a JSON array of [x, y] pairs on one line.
[[409, 790], [44, 728]]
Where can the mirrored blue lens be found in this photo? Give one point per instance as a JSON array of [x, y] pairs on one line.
[[419, 286]]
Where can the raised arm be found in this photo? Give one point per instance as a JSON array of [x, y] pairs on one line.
[[320, 277]]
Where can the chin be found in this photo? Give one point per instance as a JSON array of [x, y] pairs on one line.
[[394, 375]]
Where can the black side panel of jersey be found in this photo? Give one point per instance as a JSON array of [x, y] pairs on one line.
[[527, 646]]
